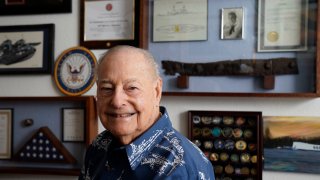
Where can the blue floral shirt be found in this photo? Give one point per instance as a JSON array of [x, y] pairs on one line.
[[160, 153]]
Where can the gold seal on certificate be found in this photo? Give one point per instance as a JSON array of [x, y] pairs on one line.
[[273, 36]]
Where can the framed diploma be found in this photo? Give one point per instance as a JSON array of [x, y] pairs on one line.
[[73, 124], [6, 133], [106, 23], [176, 20], [282, 25]]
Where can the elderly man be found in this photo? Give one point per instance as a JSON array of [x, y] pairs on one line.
[[139, 141]]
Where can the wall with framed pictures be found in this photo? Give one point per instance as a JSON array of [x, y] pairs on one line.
[[263, 60], [46, 135], [67, 35]]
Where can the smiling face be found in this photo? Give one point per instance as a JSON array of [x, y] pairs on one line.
[[129, 93]]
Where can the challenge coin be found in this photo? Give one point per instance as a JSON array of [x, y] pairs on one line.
[[216, 131], [224, 156], [241, 145], [208, 145], [237, 133], [228, 120], [227, 132], [229, 169], [197, 142], [234, 158], [214, 157], [218, 144], [240, 121], [247, 133], [216, 120], [196, 131], [206, 120], [229, 144], [196, 119], [218, 169], [245, 158], [206, 132]]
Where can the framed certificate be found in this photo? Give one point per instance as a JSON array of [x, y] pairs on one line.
[[282, 25], [6, 133], [176, 20], [73, 124], [107, 23]]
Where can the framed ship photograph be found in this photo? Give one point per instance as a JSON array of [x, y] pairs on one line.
[[26, 49]]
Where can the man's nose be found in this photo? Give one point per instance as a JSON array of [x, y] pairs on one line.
[[119, 98]]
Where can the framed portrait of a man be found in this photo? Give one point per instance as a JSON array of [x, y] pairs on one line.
[[232, 22]]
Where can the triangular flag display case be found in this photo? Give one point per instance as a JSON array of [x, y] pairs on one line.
[[44, 146], [42, 140]]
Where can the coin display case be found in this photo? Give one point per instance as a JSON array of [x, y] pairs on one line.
[[231, 140]]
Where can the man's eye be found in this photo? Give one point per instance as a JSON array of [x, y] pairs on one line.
[[105, 89], [132, 88]]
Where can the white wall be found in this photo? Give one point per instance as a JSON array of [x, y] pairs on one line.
[[67, 35]]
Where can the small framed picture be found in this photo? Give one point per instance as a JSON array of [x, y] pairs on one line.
[[73, 128], [6, 133], [232, 22]]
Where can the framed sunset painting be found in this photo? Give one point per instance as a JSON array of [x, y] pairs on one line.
[[292, 143]]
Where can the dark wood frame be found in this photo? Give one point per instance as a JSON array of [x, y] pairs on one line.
[[234, 114], [47, 44], [140, 29], [313, 94], [35, 7], [91, 131]]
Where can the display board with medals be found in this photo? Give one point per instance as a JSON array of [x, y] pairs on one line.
[[231, 140]]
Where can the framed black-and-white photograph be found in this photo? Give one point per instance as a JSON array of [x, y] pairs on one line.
[[20, 7], [286, 30], [232, 23], [26, 49], [6, 133], [73, 124]]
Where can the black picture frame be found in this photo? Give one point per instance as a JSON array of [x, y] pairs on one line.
[[22, 7], [26, 49]]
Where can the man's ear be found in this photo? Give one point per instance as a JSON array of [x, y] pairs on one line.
[[158, 89]]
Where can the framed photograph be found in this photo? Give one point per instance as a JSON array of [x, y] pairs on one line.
[[20, 7], [73, 120], [26, 49], [108, 23], [176, 20], [6, 118], [282, 25], [232, 23], [292, 144]]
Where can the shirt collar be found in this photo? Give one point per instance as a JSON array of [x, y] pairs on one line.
[[140, 147]]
